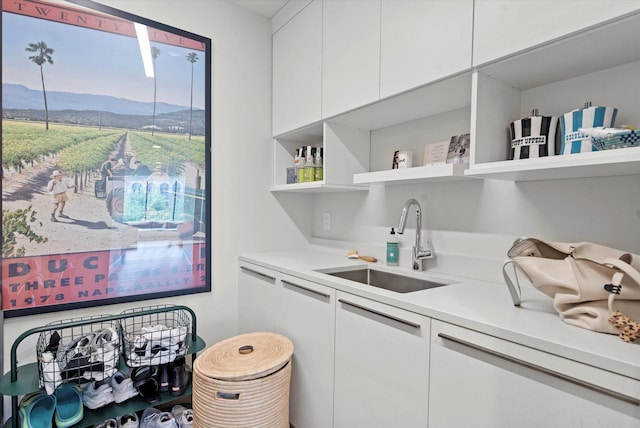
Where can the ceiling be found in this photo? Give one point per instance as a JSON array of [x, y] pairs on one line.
[[266, 8]]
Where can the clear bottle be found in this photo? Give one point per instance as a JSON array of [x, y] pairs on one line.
[[319, 176], [392, 248], [302, 160], [309, 167]]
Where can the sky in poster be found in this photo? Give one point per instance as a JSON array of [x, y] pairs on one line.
[[87, 61]]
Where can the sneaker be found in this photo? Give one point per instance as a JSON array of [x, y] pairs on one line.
[[122, 386], [148, 414], [109, 423], [69, 410], [36, 410], [54, 219], [183, 416], [97, 394], [130, 420], [162, 420], [62, 215], [51, 377]]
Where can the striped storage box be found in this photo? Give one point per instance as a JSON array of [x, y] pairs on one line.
[[533, 137], [574, 141]]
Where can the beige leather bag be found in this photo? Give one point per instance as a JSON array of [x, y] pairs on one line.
[[583, 279]]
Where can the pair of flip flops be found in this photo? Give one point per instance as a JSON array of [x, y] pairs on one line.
[[39, 410]]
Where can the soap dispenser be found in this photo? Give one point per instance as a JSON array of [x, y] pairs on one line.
[[392, 248]]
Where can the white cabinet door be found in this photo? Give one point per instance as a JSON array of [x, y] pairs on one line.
[[422, 41], [502, 27], [381, 367], [257, 299], [297, 68], [473, 386], [350, 55], [307, 318]]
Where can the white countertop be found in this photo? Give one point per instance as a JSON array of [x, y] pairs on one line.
[[478, 305]]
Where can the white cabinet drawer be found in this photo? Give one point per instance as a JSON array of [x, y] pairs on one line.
[[498, 382]]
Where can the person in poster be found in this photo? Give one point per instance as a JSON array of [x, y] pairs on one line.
[[57, 187]]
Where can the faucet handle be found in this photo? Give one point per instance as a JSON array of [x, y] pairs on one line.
[[426, 253]]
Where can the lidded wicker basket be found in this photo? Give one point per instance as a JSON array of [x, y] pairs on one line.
[[243, 382]]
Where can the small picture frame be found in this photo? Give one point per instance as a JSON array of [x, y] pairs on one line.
[[459, 149], [436, 153]]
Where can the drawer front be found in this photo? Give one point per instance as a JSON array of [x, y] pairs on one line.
[[498, 382]]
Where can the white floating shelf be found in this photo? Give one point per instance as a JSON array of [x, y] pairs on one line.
[[580, 165], [429, 173], [317, 186]]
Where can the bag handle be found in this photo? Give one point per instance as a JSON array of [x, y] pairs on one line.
[[515, 294], [629, 329], [626, 269]]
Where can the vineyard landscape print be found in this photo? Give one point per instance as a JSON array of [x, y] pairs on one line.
[[76, 100]]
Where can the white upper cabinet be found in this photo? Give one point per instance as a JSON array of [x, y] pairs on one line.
[[297, 70], [350, 55], [422, 41], [503, 27]]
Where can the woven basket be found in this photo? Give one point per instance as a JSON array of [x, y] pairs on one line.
[[243, 382]]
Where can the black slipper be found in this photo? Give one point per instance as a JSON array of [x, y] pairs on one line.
[[149, 391]]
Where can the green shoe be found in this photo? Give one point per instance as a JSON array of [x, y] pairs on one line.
[[69, 410], [36, 410]]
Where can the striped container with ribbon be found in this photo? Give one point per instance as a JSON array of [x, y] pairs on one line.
[[533, 137], [574, 141]]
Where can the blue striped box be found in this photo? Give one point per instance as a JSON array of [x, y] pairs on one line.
[[574, 141]]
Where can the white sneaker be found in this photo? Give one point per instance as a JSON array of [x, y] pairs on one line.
[[97, 394], [154, 418], [122, 386], [130, 420], [109, 423], [50, 372], [148, 414], [183, 416], [162, 420]]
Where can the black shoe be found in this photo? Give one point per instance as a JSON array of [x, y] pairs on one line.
[[180, 377], [148, 390], [139, 375], [164, 378], [54, 342]]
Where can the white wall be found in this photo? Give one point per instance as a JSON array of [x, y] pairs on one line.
[[481, 218], [246, 217]]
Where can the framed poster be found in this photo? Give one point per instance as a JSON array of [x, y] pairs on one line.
[[106, 136]]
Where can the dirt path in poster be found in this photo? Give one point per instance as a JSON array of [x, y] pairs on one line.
[[89, 227]]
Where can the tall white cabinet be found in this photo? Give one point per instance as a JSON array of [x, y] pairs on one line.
[[423, 41], [304, 312], [297, 70], [350, 54], [502, 27], [382, 369], [307, 318], [257, 299]]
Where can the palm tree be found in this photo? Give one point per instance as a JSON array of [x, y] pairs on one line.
[[192, 57], [42, 54], [155, 52]]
